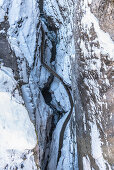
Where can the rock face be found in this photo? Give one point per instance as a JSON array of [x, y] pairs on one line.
[[94, 82], [75, 42], [104, 11]]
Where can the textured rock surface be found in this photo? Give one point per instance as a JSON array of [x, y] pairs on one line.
[[94, 60], [104, 11], [77, 48]]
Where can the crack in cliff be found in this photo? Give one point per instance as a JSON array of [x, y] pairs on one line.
[[68, 92], [51, 27], [57, 112], [45, 90]]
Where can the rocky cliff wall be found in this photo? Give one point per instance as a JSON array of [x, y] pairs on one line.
[[93, 65], [75, 42]]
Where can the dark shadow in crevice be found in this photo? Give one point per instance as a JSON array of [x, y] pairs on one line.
[[47, 95]]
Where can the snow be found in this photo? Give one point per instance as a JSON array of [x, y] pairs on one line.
[[2, 31], [49, 7], [22, 19], [61, 95], [1, 2], [93, 62], [14, 120], [82, 46], [65, 50], [96, 147], [106, 43], [12, 159], [86, 163], [66, 161], [16, 130], [55, 143], [67, 69], [2, 14], [15, 125], [64, 154], [7, 82], [15, 8]]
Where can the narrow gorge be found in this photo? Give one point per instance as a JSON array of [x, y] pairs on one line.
[[56, 84]]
